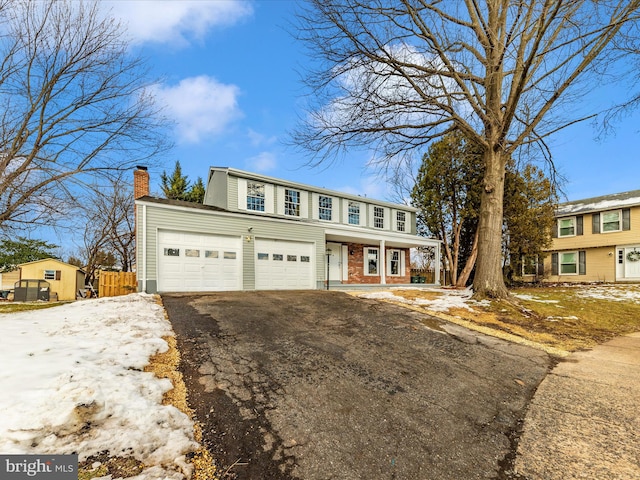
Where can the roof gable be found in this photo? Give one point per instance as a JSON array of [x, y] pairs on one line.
[[55, 260]]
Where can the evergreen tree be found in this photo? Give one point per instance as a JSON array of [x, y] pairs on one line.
[[23, 250], [176, 186]]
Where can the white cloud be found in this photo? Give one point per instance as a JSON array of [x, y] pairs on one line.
[[176, 22], [258, 139], [201, 106], [263, 162]]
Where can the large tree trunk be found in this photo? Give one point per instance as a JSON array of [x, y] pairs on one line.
[[488, 281], [471, 261]]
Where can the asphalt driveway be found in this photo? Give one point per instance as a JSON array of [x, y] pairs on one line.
[[322, 385]]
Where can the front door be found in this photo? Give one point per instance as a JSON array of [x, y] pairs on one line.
[[335, 262], [632, 263]]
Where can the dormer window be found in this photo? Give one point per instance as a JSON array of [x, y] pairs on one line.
[[291, 202], [255, 196], [354, 213], [378, 217], [325, 205], [401, 221]]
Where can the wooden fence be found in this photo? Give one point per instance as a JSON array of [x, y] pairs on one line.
[[112, 284]]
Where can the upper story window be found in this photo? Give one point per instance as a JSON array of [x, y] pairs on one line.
[[291, 202], [567, 227], [255, 196], [611, 221], [325, 205], [52, 274], [378, 217], [354, 213], [401, 221]]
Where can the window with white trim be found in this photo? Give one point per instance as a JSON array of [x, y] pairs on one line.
[[378, 217], [52, 274], [401, 220], [291, 202], [255, 196], [371, 259], [567, 227], [325, 205], [354, 213], [395, 263], [611, 221], [568, 263]]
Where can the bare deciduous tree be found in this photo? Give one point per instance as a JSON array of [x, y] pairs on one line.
[[74, 106], [393, 75], [109, 230]]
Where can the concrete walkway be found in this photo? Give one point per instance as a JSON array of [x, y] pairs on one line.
[[584, 420]]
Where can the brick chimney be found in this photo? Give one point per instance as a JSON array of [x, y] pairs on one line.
[[140, 182]]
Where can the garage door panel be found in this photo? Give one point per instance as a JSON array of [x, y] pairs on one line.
[[279, 265], [189, 262]]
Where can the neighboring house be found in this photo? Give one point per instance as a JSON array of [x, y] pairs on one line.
[[596, 240], [255, 232], [65, 280], [9, 279]]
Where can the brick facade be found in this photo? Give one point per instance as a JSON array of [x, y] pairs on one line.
[[356, 266]]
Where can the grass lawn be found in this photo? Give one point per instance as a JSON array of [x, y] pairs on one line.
[[564, 317], [10, 307]]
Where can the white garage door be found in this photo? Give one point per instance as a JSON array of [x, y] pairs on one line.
[[284, 265], [191, 262]]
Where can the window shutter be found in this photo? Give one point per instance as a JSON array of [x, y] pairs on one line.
[[595, 223], [554, 264], [554, 233], [582, 262], [626, 219], [579, 225], [540, 261], [58, 274]]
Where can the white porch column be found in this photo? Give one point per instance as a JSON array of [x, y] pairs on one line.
[[438, 264], [382, 266]]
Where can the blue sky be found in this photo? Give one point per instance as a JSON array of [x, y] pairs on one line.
[[230, 81]]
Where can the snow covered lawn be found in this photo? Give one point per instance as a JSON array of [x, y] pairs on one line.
[[72, 381]]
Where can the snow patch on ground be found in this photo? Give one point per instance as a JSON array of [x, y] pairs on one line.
[[447, 299], [72, 381]]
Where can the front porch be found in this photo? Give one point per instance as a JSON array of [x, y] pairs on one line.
[[360, 261]]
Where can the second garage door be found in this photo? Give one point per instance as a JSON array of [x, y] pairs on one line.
[[284, 265]]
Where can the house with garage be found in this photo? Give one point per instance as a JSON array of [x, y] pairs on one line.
[[596, 240], [255, 232]]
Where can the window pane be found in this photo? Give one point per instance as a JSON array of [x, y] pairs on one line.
[[263, 256], [292, 202], [191, 253], [255, 196], [172, 252], [378, 217], [211, 253], [568, 263], [325, 205], [292, 258], [278, 257], [567, 227], [304, 259], [400, 221], [354, 213], [372, 261], [611, 221], [230, 255], [49, 274]]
